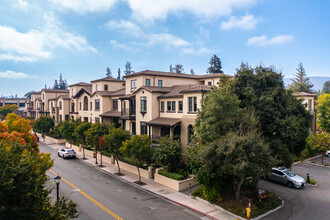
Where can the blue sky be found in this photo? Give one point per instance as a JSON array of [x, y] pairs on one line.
[[81, 38]]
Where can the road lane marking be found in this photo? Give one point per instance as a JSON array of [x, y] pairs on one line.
[[88, 197]]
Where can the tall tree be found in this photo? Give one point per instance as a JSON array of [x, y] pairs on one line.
[[171, 69], [215, 65], [178, 68], [6, 109], [62, 84], [79, 132], [128, 68], [43, 125], [301, 82], [138, 150], [229, 146], [119, 73], [28, 94], [56, 86], [192, 72], [108, 72], [320, 141], [284, 121], [326, 87], [114, 141], [323, 112], [67, 131]]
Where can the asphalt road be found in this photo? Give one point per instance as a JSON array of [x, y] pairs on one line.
[[299, 204], [120, 198], [318, 160]]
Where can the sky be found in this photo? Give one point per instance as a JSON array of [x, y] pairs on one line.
[[39, 39]]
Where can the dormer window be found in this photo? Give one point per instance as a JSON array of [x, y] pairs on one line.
[[160, 83], [147, 82], [105, 87]]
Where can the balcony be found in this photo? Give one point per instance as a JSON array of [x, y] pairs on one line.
[[128, 113]]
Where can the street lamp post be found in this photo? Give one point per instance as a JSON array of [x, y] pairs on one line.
[[57, 181]]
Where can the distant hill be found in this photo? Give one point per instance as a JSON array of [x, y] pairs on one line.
[[318, 82]]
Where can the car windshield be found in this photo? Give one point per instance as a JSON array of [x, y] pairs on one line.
[[289, 173]]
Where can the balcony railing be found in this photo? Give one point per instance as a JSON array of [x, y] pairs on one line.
[[128, 113]]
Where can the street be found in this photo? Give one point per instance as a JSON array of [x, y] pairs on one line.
[[309, 203], [102, 196]]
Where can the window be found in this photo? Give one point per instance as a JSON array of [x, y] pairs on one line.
[[124, 125], [72, 107], [143, 104], [79, 105], [97, 120], [52, 104], [160, 83], [60, 117], [96, 87], [115, 104], [97, 104], [180, 106], [105, 87], [85, 103], [60, 104], [192, 104], [147, 82], [143, 128], [162, 106], [169, 107], [133, 85], [90, 107], [173, 106], [209, 83]]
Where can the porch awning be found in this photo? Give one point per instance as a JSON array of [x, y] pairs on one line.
[[164, 122], [111, 114]]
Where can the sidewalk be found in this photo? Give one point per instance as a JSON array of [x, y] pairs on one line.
[[155, 188]]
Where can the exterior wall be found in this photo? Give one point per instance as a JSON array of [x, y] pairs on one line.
[[212, 81], [112, 86], [81, 112], [167, 81], [171, 114], [45, 96], [65, 108]]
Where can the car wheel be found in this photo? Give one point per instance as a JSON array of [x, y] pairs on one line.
[[290, 184]]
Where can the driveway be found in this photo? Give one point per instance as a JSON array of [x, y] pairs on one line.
[[318, 160], [309, 203]]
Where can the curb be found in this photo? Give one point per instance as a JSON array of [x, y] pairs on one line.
[[270, 211], [311, 184], [315, 164]]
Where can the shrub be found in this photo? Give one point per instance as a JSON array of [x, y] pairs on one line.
[[175, 176], [311, 181], [210, 194]]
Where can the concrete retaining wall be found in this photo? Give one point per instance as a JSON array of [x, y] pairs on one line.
[[177, 185], [57, 141], [132, 169]]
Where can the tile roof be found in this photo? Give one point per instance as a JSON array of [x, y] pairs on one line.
[[111, 79], [63, 97], [80, 84], [177, 91], [164, 121], [112, 114], [87, 90], [55, 90], [304, 94], [169, 74], [120, 92], [37, 93], [155, 89]]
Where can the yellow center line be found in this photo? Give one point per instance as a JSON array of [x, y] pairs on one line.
[[88, 197]]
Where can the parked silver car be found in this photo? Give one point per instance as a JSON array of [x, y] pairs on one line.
[[327, 153], [66, 153], [285, 176]]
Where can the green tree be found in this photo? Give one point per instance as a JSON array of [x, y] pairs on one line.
[[6, 109], [326, 87], [321, 142], [284, 121], [67, 131], [128, 69], [79, 132], [301, 82], [108, 72], [215, 65], [119, 73], [192, 72], [138, 150], [94, 132], [43, 125], [62, 84], [323, 112], [23, 186], [178, 68], [114, 141], [229, 146], [168, 154], [56, 86]]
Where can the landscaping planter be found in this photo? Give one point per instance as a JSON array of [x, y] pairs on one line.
[[74, 147], [57, 141], [132, 169], [177, 185]]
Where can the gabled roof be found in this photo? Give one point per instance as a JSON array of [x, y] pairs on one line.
[[179, 90], [111, 114], [164, 121], [55, 90], [169, 74], [64, 97], [111, 79], [197, 88], [36, 93], [120, 92], [302, 94], [87, 90], [155, 89], [80, 84]]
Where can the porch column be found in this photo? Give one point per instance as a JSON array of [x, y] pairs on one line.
[[171, 131]]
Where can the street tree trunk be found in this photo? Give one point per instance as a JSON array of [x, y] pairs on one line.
[[84, 152], [139, 174], [238, 189], [116, 158]]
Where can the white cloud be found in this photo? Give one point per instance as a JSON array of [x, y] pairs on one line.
[[83, 6], [132, 30], [34, 45], [246, 22], [13, 75], [264, 41], [116, 44], [159, 9], [199, 52]]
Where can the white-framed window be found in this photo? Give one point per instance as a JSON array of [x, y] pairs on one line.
[[192, 104], [133, 85]]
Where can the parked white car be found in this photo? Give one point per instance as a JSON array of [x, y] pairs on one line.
[[327, 153], [66, 153], [285, 176]]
